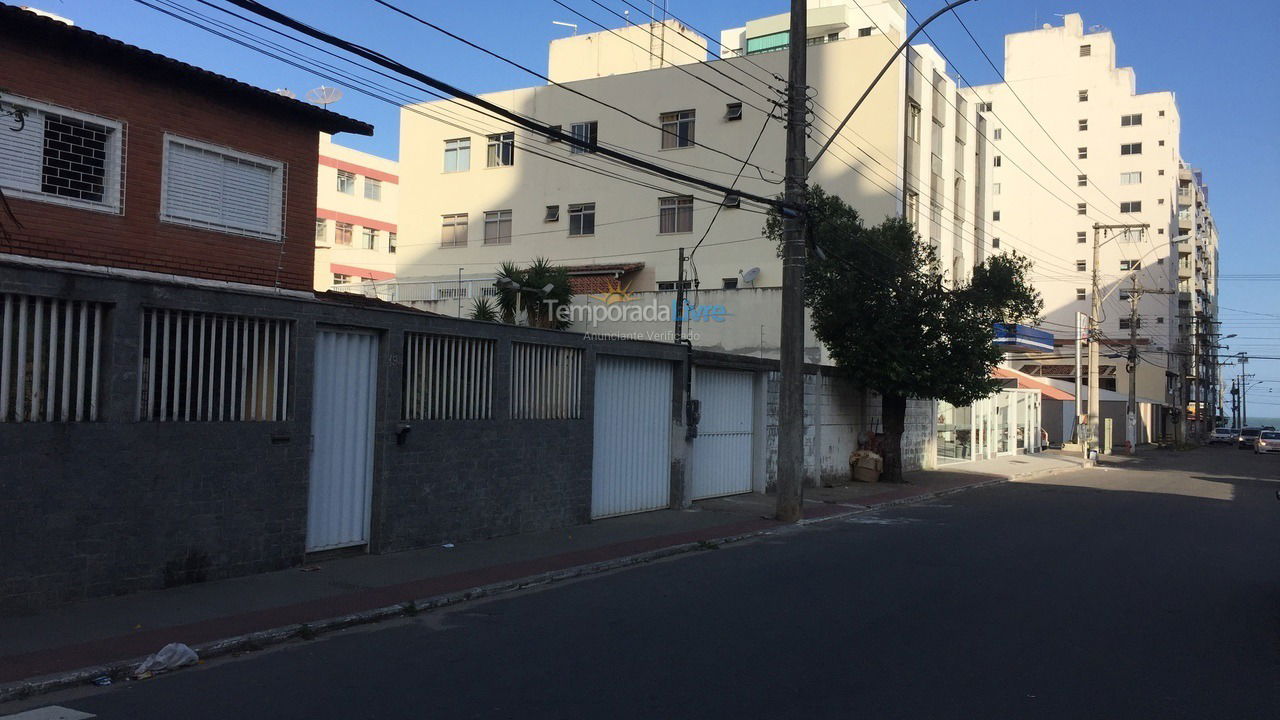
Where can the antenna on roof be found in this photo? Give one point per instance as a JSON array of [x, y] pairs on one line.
[[324, 96], [565, 24], [286, 92]]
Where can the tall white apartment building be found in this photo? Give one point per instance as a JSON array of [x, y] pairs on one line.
[[357, 204], [1073, 144], [487, 192]]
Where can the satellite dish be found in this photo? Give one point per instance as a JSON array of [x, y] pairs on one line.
[[286, 92], [750, 276], [324, 96]]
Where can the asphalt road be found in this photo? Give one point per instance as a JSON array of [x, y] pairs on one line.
[[1146, 592]]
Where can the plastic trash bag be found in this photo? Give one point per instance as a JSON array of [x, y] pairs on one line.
[[170, 657]]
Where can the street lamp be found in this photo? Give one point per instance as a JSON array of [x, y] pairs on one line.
[[509, 284]]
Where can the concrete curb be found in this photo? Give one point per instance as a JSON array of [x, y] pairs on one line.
[[123, 669]]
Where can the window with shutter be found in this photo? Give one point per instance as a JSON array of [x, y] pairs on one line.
[[60, 156], [221, 189]]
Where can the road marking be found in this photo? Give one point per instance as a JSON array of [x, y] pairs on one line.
[[53, 712]]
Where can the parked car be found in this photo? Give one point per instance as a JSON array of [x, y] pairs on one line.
[[1268, 442], [1224, 435], [1247, 436]]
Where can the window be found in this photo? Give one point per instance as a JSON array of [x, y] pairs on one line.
[[1086, 50], [1082, 153], [1083, 96], [584, 132], [497, 227], [1160, 201], [553, 214], [864, 32], [1131, 149], [984, 107], [1082, 236], [913, 208], [1081, 266], [342, 233], [732, 200], [997, 134], [1161, 113], [1160, 320], [546, 386], [729, 283], [502, 150], [995, 216], [1123, 295], [447, 378], [369, 239], [913, 122], [1131, 178], [391, 243], [1083, 124], [53, 351], [1127, 265], [1131, 206], [1160, 172], [372, 189], [1160, 143], [1080, 294], [582, 219], [457, 155], [995, 242], [996, 161], [675, 214], [1082, 209], [1082, 180], [178, 382], [1124, 324], [733, 111], [670, 285], [320, 230], [62, 157], [346, 182], [340, 279], [677, 129], [453, 230], [995, 188], [221, 189], [768, 43], [1131, 120]]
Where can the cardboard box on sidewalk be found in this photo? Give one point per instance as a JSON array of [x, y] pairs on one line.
[[866, 466]]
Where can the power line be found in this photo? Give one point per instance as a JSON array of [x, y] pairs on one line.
[[535, 73], [444, 87]]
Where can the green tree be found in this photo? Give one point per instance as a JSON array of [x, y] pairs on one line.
[[894, 323], [484, 309], [535, 291]]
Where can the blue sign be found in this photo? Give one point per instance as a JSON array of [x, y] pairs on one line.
[[1022, 338]]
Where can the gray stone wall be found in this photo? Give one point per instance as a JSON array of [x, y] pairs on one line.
[[119, 505]]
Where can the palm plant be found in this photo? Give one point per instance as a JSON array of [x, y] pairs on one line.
[[537, 290], [484, 309]]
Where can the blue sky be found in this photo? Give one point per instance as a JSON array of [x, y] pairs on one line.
[[1215, 56]]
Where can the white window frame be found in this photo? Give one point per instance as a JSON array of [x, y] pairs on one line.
[[677, 119], [493, 149], [368, 238], [495, 220], [1131, 178], [579, 212], [113, 172], [375, 185], [457, 146], [350, 187], [587, 132], [276, 221], [677, 206]]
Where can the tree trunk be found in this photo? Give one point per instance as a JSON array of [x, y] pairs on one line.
[[893, 410]]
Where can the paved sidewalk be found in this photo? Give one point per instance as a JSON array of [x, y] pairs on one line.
[[211, 616]]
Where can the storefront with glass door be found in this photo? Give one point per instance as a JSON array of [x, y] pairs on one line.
[[1004, 424]]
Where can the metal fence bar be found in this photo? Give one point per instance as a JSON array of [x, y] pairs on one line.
[[37, 368], [6, 332], [20, 402], [97, 356]]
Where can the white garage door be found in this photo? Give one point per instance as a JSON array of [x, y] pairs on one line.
[[631, 464], [722, 450]]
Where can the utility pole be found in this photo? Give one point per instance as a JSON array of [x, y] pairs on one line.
[[679, 309], [1244, 390], [1131, 416], [1095, 336], [791, 351], [1082, 322]]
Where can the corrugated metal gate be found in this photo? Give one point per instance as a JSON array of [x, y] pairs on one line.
[[631, 464], [722, 451], [346, 375]]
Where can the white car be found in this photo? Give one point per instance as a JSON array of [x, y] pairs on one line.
[[1268, 442], [1224, 435]]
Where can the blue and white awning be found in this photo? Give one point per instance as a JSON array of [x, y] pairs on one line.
[[1022, 338]]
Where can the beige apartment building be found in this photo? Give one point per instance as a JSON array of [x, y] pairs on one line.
[[1073, 144], [491, 192], [358, 198]]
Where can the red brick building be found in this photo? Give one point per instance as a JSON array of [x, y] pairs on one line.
[[114, 155]]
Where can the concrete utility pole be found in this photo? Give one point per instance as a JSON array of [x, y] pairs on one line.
[[1244, 390], [1095, 335], [1082, 323], [791, 391], [1131, 416]]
